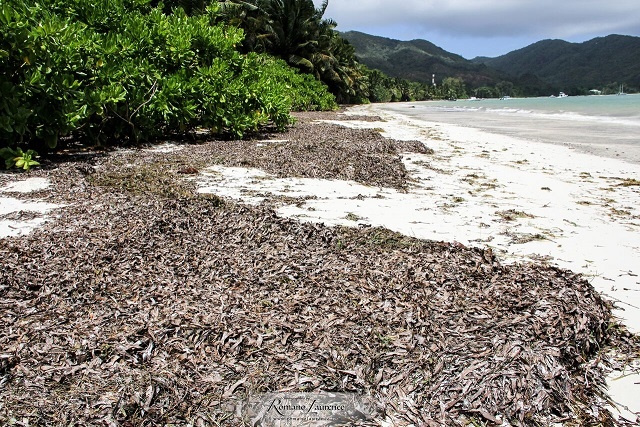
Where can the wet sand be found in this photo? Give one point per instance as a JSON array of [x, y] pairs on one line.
[[612, 137]]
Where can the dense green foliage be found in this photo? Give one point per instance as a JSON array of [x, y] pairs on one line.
[[114, 71], [297, 32], [382, 88], [117, 70]]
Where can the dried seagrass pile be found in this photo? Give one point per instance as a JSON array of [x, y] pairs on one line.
[[320, 150], [145, 303]]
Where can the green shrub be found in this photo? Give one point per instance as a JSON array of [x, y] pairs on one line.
[[18, 158], [120, 70], [276, 79]]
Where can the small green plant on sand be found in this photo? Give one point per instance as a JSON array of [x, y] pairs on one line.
[[18, 158], [353, 217]]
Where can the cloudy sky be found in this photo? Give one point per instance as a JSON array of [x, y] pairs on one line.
[[487, 27]]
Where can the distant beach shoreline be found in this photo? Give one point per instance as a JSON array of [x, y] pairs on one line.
[[606, 126]]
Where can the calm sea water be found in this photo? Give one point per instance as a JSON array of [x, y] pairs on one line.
[[604, 125]]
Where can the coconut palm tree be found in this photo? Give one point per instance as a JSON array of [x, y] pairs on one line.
[[296, 28], [296, 31], [253, 21]]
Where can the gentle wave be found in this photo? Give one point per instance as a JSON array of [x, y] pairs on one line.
[[606, 125], [613, 110], [574, 117]]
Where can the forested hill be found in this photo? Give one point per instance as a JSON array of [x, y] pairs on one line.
[[592, 64], [417, 60], [542, 68]]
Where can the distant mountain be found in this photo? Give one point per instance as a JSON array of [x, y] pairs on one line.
[[417, 60], [542, 68], [592, 64]]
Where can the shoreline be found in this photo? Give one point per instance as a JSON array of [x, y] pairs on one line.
[[155, 294], [527, 169], [623, 147], [600, 167]]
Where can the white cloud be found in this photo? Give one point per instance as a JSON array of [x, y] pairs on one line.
[[492, 18]]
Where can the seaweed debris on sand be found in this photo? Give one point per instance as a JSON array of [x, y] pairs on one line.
[[146, 303]]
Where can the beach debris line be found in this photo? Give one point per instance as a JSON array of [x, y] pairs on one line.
[[139, 305], [324, 150]]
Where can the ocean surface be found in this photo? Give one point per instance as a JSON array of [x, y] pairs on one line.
[[603, 125]]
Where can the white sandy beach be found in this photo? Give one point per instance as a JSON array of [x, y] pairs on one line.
[[525, 200], [11, 205]]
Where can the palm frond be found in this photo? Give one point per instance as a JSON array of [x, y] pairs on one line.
[[300, 62]]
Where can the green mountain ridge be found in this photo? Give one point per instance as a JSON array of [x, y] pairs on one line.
[[592, 64], [417, 60], [542, 68]]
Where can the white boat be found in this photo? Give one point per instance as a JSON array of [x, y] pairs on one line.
[[562, 95], [621, 90]]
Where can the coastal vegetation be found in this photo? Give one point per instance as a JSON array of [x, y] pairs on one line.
[[129, 71], [18, 158], [126, 71]]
